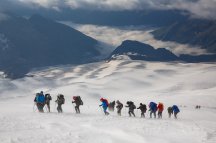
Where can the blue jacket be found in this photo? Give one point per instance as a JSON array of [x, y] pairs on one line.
[[104, 105], [175, 109], [153, 106]]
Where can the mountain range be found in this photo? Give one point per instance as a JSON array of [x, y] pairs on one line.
[[196, 32], [34, 42], [38, 41]]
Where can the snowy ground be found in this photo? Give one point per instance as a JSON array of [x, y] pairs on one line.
[[186, 85]]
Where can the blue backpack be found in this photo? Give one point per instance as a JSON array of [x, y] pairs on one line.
[[153, 106], [40, 98], [175, 109]]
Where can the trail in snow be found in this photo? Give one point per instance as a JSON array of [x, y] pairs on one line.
[[186, 85]]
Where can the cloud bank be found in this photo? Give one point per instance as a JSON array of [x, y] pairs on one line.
[[197, 8], [114, 36]]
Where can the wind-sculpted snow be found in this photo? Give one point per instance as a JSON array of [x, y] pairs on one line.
[[183, 84]]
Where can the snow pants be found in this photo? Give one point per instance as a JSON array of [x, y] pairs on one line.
[[59, 108], [153, 112], [40, 107], [131, 112], [77, 109]]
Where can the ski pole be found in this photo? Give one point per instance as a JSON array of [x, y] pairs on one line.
[[46, 109], [34, 109], [73, 107], [55, 106], [101, 110]]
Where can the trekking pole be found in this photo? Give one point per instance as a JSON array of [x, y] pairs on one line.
[[46, 109], [73, 107], [101, 110], [55, 106], [34, 109]]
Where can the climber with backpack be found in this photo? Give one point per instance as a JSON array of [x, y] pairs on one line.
[[160, 109], [131, 107], [104, 105], [175, 110], [111, 106], [40, 101], [48, 98], [78, 101], [119, 107], [152, 109], [170, 111], [143, 109], [60, 100]]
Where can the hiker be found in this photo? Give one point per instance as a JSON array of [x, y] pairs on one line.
[[175, 110], [47, 101], [111, 106], [60, 100], [78, 101], [131, 107], [104, 105], [170, 111], [119, 107], [143, 109], [152, 109], [160, 109], [40, 101]]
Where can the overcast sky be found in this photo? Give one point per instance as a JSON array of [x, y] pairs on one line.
[[198, 8]]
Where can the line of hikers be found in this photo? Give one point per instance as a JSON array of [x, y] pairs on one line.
[[41, 100], [153, 108]]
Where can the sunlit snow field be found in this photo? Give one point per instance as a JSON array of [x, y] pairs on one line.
[[186, 85]]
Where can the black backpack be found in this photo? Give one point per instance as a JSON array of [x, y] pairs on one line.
[[61, 98], [48, 97], [79, 100]]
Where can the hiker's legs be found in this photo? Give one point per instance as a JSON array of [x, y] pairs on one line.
[[151, 114], [175, 115], [129, 113], [40, 107], [132, 112], [61, 108], [169, 115], [119, 112], [142, 114], [58, 108], [159, 114], [155, 114], [48, 106], [105, 112], [76, 109]]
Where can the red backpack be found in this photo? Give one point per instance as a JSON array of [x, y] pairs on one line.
[[105, 100], [160, 107]]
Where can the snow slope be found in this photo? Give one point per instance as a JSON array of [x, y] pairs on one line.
[[183, 84]]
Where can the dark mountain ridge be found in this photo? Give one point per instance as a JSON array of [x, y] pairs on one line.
[[38, 42], [141, 51]]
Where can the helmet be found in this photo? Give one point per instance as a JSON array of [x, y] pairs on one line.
[[101, 99]]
